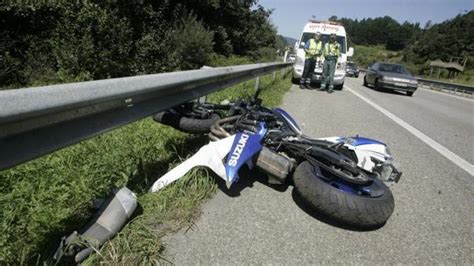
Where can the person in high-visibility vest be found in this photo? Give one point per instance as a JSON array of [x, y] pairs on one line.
[[313, 50], [331, 52]]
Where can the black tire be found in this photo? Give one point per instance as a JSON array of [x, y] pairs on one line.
[[347, 208], [365, 82], [377, 85], [339, 87], [410, 93], [357, 75], [295, 81], [185, 124]]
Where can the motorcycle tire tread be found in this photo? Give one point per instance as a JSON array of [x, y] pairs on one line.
[[185, 124], [358, 211]]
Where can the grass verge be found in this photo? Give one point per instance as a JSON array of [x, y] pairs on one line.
[[49, 197]]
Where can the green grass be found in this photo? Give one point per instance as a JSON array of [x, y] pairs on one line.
[[49, 197], [366, 55], [467, 78]]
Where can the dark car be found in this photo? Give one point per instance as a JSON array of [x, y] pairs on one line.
[[352, 70], [390, 76]]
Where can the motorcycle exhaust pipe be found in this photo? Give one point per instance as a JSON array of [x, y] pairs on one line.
[[278, 167], [110, 218]]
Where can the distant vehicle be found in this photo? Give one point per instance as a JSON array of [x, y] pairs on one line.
[[325, 28], [292, 58], [352, 70], [390, 76]]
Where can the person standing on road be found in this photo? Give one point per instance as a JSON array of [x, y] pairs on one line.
[[313, 50], [331, 52]]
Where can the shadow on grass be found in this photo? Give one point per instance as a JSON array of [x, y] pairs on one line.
[[53, 238], [139, 182], [147, 173]]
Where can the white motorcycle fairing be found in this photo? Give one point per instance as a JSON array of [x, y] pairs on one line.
[[372, 155], [210, 155], [369, 152]]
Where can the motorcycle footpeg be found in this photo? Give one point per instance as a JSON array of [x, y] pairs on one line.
[[397, 177], [388, 173]]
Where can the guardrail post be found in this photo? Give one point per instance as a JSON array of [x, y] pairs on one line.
[[274, 73], [257, 83]]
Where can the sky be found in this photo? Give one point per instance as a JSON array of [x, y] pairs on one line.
[[289, 16]]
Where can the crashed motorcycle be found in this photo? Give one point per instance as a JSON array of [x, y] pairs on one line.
[[346, 179]]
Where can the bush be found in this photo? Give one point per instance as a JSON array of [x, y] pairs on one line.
[[264, 54], [192, 43], [94, 41]]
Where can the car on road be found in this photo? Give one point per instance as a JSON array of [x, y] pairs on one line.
[[383, 75], [352, 70]]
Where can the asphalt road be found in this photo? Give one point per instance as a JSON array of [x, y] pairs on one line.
[[433, 221]]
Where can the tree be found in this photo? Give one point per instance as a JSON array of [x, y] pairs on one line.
[[62, 41], [428, 25], [441, 41], [380, 30]]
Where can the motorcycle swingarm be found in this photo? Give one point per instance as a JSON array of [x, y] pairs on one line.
[[360, 179], [334, 158]]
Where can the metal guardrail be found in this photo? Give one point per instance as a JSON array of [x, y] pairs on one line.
[[37, 121], [447, 86]]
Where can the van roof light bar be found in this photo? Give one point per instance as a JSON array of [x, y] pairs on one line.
[[326, 22]]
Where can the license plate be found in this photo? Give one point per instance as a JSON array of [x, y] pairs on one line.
[[400, 84], [400, 80]]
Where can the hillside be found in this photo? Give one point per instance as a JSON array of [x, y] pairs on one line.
[[290, 41], [366, 55], [385, 39]]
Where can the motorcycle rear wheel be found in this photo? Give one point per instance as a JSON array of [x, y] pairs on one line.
[[325, 197]]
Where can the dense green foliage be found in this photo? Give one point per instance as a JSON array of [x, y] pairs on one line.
[[366, 55], [384, 39], [62, 41], [379, 31], [454, 37]]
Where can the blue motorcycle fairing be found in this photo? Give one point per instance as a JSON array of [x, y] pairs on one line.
[[246, 145], [291, 122]]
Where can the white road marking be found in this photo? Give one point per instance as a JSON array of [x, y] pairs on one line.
[[463, 164]]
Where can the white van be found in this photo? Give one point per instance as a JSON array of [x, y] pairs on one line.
[[325, 28]]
